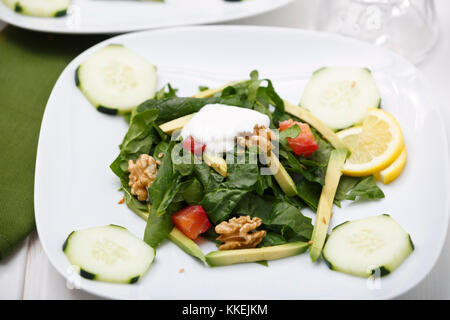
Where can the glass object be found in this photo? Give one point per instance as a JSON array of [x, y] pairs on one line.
[[408, 27]]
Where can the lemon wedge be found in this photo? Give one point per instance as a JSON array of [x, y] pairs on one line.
[[374, 145], [394, 170]]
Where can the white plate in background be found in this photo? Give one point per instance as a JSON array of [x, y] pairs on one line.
[[119, 16], [75, 189]]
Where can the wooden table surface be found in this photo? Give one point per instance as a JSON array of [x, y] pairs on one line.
[[28, 274]]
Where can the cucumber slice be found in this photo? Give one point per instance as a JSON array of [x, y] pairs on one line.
[[116, 80], [10, 3], [340, 96], [109, 253], [374, 245], [42, 8]]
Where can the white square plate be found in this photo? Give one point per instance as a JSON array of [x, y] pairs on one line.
[[75, 189]]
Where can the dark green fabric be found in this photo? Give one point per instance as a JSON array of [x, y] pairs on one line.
[[30, 64]]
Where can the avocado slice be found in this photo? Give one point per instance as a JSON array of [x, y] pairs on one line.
[[227, 257], [281, 175], [176, 124], [308, 117], [186, 244], [217, 163], [323, 214]]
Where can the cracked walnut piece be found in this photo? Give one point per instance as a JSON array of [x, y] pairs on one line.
[[236, 233], [261, 137], [142, 175]]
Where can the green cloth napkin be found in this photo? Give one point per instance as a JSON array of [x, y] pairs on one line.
[[30, 64]]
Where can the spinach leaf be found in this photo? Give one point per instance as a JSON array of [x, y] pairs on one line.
[[263, 183], [158, 227], [219, 203], [210, 179], [183, 162], [166, 185], [322, 154], [172, 108], [166, 92], [272, 239], [138, 140], [352, 188], [162, 149], [293, 163], [193, 192], [138, 207], [279, 216], [286, 215], [222, 195], [309, 192], [242, 176], [259, 97]]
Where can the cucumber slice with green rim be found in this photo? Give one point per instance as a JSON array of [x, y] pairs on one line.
[[109, 253], [370, 246], [42, 8], [116, 79], [10, 3], [340, 96]]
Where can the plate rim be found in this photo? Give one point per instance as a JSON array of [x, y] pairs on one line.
[[277, 4], [435, 105]]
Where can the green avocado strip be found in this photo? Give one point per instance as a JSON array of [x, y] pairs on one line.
[[186, 244], [308, 117], [228, 257], [323, 214]]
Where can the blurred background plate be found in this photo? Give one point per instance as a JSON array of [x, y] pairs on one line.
[[115, 16]]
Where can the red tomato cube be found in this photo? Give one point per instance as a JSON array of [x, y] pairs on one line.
[[189, 144], [305, 143], [192, 221]]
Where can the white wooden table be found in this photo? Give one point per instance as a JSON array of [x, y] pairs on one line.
[[27, 273]]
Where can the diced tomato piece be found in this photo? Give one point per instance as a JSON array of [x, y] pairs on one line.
[[192, 221], [304, 143], [189, 144]]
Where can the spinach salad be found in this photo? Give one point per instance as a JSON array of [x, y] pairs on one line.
[[248, 191]]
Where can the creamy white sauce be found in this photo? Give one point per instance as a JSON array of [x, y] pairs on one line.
[[217, 126]]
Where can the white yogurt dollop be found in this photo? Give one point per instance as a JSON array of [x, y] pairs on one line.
[[217, 126]]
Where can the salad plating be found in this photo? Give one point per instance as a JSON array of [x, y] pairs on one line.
[[237, 164]]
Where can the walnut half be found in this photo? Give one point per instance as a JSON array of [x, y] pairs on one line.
[[261, 137], [236, 233], [142, 175]]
